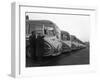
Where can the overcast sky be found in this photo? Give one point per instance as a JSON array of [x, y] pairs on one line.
[[77, 25]]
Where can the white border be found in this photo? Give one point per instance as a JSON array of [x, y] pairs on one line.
[[18, 56]]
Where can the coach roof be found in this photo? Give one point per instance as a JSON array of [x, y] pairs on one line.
[[40, 22]]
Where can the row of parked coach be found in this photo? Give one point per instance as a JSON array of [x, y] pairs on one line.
[[52, 41]]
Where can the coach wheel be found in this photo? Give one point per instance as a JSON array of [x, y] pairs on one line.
[[29, 52]]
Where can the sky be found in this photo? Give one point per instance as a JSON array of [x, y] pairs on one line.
[[77, 25]]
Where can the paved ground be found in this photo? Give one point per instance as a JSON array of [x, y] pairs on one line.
[[72, 58]]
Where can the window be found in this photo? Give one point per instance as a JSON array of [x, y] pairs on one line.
[[49, 31], [65, 36]]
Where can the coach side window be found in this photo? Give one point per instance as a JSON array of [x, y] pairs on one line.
[[65, 37]]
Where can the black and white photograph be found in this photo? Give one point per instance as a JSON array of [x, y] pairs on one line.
[[55, 39], [52, 40]]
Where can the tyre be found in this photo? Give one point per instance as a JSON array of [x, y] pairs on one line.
[[29, 52]]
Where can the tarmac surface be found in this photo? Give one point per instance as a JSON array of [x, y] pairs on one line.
[[78, 57]]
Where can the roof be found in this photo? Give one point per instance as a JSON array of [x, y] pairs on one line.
[[64, 32], [45, 22]]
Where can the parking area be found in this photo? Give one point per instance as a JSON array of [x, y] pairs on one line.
[[78, 57]]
